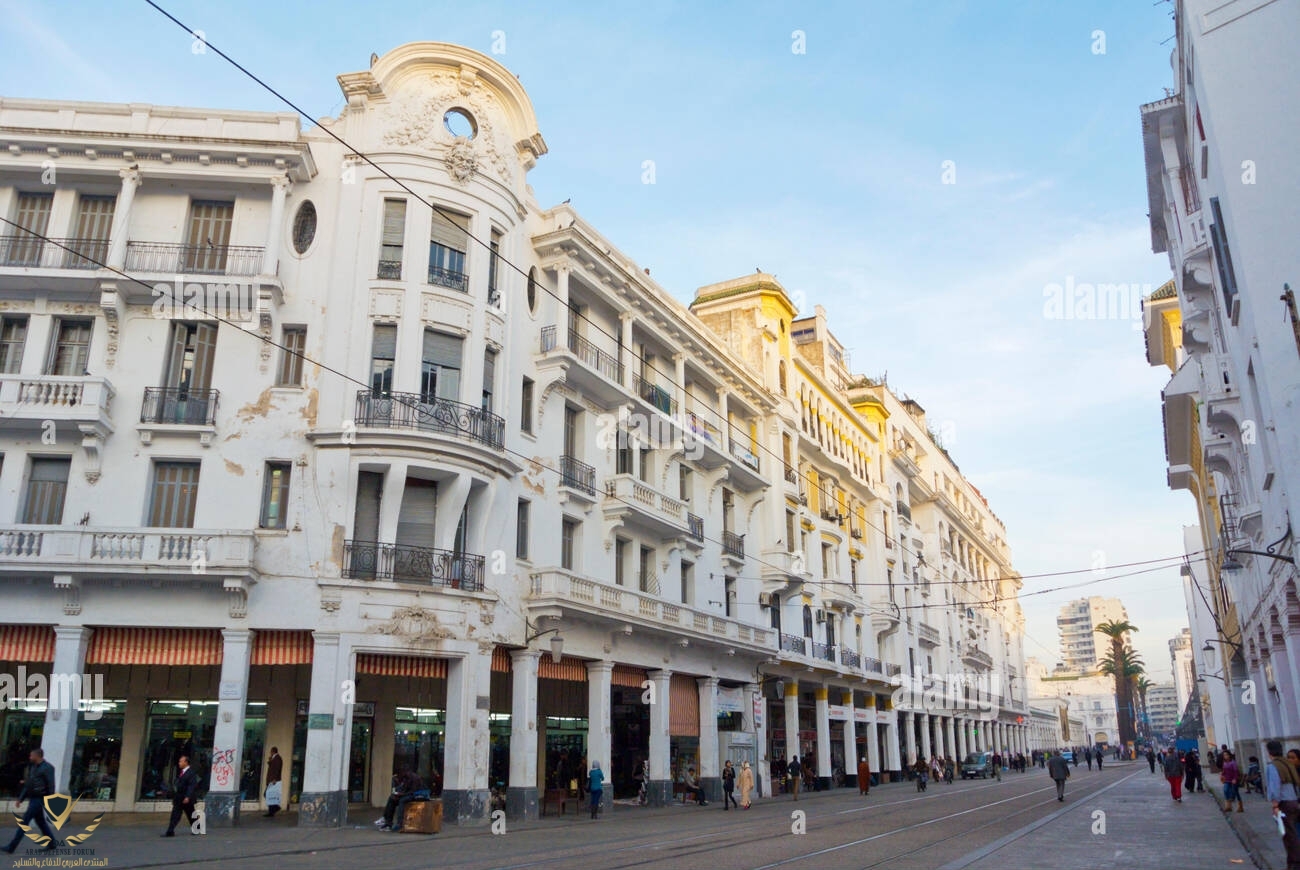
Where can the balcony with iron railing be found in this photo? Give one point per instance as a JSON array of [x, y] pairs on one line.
[[177, 259], [740, 449], [179, 406], [733, 545], [793, 643], [850, 658], [791, 476], [25, 251], [873, 665], [695, 527], [599, 374], [823, 651], [577, 474], [654, 395], [430, 415], [904, 510], [389, 270], [449, 278], [559, 593], [927, 634], [370, 560]]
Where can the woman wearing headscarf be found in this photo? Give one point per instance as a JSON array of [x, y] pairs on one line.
[[746, 783], [596, 786]]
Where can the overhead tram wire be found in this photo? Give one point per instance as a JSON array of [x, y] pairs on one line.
[[716, 416]]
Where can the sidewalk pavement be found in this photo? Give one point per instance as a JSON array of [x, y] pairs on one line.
[[1131, 823], [1255, 827]]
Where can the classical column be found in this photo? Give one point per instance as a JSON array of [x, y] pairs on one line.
[[679, 374], [121, 226], [963, 739], [466, 755], [791, 719], [850, 739], [873, 744], [823, 715], [756, 722], [599, 713], [660, 790], [710, 772], [562, 337], [892, 747], [625, 319], [222, 801], [953, 751], [329, 725], [66, 688], [926, 752], [909, 734], [280, 186], [521, 794]]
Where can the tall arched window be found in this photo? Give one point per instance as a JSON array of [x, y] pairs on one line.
[[776, 614], [807, 621], [830, 631]]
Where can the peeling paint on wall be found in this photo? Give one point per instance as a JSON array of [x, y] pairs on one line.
[[234, 468], [260, 408], [309, 412]]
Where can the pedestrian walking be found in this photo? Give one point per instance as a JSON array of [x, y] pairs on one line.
[[1099, 754], [997, 766], [596, 787], [729, 786], [183, 795], [1059, 770], [864, 776], [1151, 758], [38, 784], [746, 784], [1230, 776], [1174, 773], [1087, 757], [1194, 781], [274, 787], [795, 772], [1283, 789]]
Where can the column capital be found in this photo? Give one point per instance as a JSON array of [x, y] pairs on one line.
[[522, 657], [600, 667], [71, 632], [130, 176], [282, 182], [237, 635], [626, 316], [660, 673], [711, 682]]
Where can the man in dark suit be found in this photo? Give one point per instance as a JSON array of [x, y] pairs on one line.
[[274, 773], [38, 785], [183, 796]]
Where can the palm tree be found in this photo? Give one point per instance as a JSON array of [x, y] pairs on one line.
[[1142, 686], [1118, 634], [1125, 666]]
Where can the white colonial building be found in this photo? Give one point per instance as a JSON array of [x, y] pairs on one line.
[[1223, 179], [377, 461]]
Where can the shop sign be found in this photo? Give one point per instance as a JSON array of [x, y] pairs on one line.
[[731, 700], [838, 711], [320, 721], [365, 709], [861, 715], [231, 690], [87, 732], [182, 735], [759, 704]]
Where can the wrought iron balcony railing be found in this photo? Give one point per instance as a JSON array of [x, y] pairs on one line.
[[793, 643], [449, 278], [696, 526], [369, 560], [605, 363], [850, 658], [655, 395], [733, 544], [179, 406], [244, 260], [412, 411], [389, 269], [578, 475], [25, 250], [791, 476]]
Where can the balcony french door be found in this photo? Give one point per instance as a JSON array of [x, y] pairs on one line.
[[209, 237], [33, 214]]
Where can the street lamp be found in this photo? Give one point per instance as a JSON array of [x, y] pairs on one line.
[[1230, 562], [557, 642]]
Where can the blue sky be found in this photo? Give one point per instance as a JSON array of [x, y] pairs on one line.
[[825, 168]]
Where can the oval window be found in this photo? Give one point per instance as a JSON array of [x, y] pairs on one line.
[[304, 227], [460, 123], [532, 290]]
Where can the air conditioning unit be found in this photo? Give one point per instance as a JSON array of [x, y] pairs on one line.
[[767, 599], [821, 616]]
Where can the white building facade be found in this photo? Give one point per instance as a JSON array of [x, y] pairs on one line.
[[1082, 649], [1222, 181], [400, 470]]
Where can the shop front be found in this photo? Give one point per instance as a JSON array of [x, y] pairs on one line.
[[629, 729], [684, 726]]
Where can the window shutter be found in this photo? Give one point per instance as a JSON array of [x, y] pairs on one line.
[[370, 485], [394, 222], [385, 343], [419, 509], [489, 369], [453, 233], [441, 349], [95, 218]]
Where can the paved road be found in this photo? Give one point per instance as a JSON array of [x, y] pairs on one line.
[[1016, 823]]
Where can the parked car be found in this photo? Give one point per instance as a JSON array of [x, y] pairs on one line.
[[977, 764], [1068, 755]]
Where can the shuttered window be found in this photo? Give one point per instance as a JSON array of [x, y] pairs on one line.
[[370, 487], [275, 495], [393, 239], [294, 346], [13, 336], [448, 242], [47, 487], [175, 495], [419, 510], [382, 354], [94, 224], [209, 236], [489, 377], [189, 364], [70, 353], [33, 214], [683, 706], [440, 368]]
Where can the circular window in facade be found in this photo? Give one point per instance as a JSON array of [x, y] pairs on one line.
[[304, 227], [532, 290], [460, 124]]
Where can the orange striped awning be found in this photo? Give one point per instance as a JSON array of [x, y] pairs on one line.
[[154, 646], [571, 669], [501, 662], [282, 648], [401, 666], [628, 677], [26, 643], [684, 706]]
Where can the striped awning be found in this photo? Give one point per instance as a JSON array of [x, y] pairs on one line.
[[155, 646], [574, 670], [501, 662], [282, 648], [684, 706], [401, 666], [26, 643], [628, 677]]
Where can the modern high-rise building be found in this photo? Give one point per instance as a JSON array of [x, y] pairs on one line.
[[1082, 648], [1183, 664], [1223, 181], [1163, 709]]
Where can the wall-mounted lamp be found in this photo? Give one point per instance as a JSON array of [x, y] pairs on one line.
[[557, 642]]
